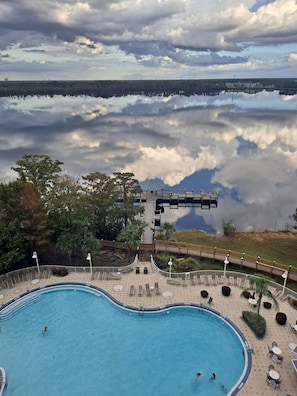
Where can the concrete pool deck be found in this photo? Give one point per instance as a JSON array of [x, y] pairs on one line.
[[231, 307]]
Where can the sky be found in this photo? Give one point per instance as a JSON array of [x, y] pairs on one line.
[[242, 145], [147, 39]]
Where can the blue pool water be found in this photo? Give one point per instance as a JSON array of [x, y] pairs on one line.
[[93, 347]]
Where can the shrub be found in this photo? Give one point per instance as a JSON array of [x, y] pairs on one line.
[[281, 318], [187, 265], [246, 294], [267, 304], [204, 293], [229, 228], [226, 290], [60, 271], [256, 323]]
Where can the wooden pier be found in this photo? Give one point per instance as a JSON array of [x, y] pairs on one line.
[[155, 203]]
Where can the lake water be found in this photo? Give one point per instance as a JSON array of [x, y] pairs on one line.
[[242, 145]]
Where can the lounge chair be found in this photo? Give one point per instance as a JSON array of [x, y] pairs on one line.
[[148, 290], [112, 275], [132, 290], [270, 353], [209, 300], [157, 289], [274, 343], [140, 291], [174, 281]]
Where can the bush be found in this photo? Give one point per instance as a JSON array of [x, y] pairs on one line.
[[204, 293], [229, 228], [187, 265], [60, 271], [246, 294], [281, 318], [267, 304], [226, 290], [161, 261], [256, 323]]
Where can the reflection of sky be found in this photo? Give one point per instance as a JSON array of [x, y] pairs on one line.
[[242, 145]]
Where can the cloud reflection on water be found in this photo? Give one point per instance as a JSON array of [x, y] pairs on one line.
[[242, 145]]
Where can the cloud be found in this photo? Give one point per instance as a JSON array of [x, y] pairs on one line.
[[140, 38], [242, 145]]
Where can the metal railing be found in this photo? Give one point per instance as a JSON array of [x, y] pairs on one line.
[[218, 254], [217, 277]]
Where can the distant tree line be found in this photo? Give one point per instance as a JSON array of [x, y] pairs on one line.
[[107, 89], [44, 207]]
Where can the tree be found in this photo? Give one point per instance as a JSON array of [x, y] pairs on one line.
[[39, 169], [167, 230], [229, 228], [259, 284], [35, 222], [295, 219], [101, 194], [70, 217], [132, 235], [127, 188], [12, 242]]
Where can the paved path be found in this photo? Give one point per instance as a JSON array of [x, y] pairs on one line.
[[231, 306]]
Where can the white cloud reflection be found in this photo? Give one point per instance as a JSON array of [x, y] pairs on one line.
[[242, 145]]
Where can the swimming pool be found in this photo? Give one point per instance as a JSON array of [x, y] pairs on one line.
[[94, 347]]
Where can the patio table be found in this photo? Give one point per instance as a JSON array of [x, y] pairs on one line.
[[276, 350], [273, 374]]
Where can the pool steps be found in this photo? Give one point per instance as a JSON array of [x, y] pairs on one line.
[[24, 301]]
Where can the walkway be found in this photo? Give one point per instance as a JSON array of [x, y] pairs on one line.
[[231, 306]]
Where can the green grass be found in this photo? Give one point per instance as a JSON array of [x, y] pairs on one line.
[[280, 247]]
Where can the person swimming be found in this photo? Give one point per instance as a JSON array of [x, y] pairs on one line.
[[213, 376], [45, 329], [224, 389], [197, 375]]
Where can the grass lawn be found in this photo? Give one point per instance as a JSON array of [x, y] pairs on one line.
[[275, 246]]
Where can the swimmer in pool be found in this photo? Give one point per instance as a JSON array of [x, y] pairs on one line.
[[197, 375]]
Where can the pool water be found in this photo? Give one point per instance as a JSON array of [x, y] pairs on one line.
[[93, 347]]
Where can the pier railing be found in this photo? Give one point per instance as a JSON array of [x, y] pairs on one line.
[[272, 268]]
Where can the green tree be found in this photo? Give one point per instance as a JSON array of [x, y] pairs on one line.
[[229, 228], [102, 198], [70, 217], [39, 169], [259, 284], [127, 189], [167, 230], [12, 242], [132, 235]]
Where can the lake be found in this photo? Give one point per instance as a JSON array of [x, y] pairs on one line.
[[242, 145]]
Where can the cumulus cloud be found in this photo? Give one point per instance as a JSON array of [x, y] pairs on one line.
[[165, 35]]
